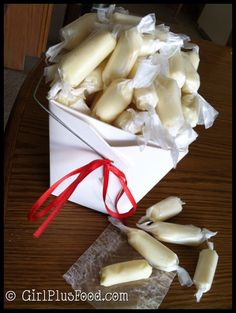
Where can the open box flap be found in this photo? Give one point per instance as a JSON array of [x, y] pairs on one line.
[[143, 170]]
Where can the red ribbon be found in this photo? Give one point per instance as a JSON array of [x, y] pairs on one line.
[[55, 205]]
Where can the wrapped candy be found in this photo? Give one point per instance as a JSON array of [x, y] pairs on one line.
[[177, 68], [126, 52], [82, 60], [205, 270], [127, 19], [150, 45], [81, 106], [65, 98], [188, 235], [192, 78], [207, 114], [185, 137], [152, 131], [190, 108], [73, 34], [169, 106], [144, 97], [157, 255], [106, 78], [72, 101], [161, 32], [163, 40], [123, 57], [124, 272], [163, 210], [66, 95], [93, 82], [129, 122], [135, 67], [193, 57], [193, 54], [120, 92], [197, 111], [112, 14]]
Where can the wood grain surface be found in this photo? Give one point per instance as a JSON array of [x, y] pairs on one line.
[[202, 179], [26, 28]]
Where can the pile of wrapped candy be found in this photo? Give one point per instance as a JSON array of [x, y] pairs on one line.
[[131, 73], [159, 256]]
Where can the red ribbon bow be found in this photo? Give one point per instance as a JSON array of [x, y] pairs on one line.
[[55, 205]]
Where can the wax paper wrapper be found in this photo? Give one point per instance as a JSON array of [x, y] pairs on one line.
[[109, 248]]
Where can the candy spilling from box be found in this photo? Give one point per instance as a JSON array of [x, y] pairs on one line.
[[129, 88]]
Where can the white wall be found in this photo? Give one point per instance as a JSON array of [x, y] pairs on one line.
[[216, 21]]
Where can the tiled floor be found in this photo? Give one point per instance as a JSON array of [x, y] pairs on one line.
[[183, 23]]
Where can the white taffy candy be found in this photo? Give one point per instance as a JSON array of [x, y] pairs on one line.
[[177, 68], [73, 34], [129, 122], [170, 45], [153, 131], [127, 50], [193, 54], [162, 61], [194, 58], [66, 98], [145, 97], [163, 210], [157, 254], [164, 41], [188, 235], [150, 45], [134, 69], [81, 106], [192, 78], [190, 108], [197, 111], [111, 14], [161, 32], [118, 95], [205, 270], [169, 106], [93, 82], [76, 65], [123, 57], [127, 19], [67, 95], [76, 102], [115, 99], [125, 272], [104, 13]]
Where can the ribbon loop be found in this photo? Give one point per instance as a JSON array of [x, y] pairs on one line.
[[56, 205]]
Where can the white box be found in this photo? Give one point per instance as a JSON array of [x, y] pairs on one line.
[[143, 169]]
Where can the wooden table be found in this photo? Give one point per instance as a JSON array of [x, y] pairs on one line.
[[202, 180]]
